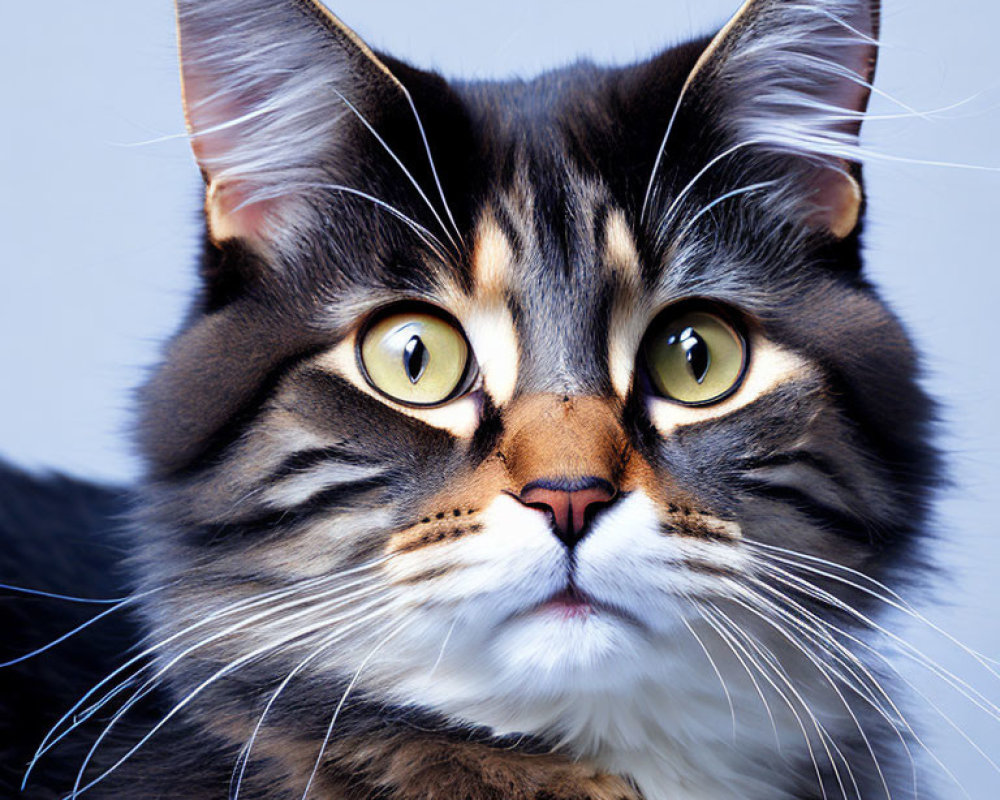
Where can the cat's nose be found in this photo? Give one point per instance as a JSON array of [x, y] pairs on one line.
[[572, 504]]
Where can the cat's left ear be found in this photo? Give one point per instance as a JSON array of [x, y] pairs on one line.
[[791, 79]]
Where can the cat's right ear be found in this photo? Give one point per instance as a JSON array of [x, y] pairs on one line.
[[785, 86], [264, 83]]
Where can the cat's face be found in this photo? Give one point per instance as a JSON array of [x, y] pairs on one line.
[[503, 406]]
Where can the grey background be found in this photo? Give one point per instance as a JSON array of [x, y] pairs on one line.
[[98, 231]]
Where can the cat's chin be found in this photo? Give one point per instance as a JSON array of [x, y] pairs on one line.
[[561, 646]]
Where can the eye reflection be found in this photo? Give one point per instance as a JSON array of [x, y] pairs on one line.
[[415, 358], [695, 350]]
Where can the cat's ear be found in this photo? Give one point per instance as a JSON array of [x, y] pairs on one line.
[[791, 78], [264, 85]]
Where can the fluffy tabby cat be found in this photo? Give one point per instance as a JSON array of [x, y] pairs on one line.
[[527, 439]]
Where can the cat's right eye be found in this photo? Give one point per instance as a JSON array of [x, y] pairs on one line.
[[415, 356]]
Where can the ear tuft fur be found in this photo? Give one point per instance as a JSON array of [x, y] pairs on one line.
[[793, 78], [263, 82]]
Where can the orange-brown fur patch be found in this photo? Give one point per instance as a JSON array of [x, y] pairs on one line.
[[551, 437], [433, 533], [437, 521], [433, 768], [492, 257], [418, 766]]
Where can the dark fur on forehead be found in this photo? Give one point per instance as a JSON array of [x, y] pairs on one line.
[[577, 116]]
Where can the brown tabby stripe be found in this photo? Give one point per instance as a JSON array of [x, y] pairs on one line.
[[286, 521]]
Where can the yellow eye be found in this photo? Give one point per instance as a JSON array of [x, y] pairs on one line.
[[695, 357], [414, 357]]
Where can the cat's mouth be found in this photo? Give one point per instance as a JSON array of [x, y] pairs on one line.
[[573, 604], [568, 603]]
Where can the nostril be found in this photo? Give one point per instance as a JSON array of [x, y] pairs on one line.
[[556, 502], [586, 503], [572, 504]]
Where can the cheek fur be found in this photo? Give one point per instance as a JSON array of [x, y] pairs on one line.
[[513, 561], [636, 562]]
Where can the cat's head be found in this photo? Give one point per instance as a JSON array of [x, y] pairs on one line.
[[495, 390]]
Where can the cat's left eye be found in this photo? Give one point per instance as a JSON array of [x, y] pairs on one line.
[[416, 357], [695, 355]]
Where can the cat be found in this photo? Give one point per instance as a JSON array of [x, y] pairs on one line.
[[530, 440]]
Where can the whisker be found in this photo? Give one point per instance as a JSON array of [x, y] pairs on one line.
[[828, 674], [749, 672], [180, 705], [661, 150], [672, 208], [48, 741], [874, 682], [818, 621], [66, 597], [444, 644], [728, 633], [908, 649], [892, 599], [399, 163], [430, 158], [955, 727], [262, 599], [824, 735], [715, 669], [422, 232], [83, 626], [721, 198], [340, 705], [244, 759], [820, 632]]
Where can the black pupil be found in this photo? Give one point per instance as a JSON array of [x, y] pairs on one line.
[[695, 351], [415, 358]]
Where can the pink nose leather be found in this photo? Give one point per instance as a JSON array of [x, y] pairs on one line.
[[571, 509]]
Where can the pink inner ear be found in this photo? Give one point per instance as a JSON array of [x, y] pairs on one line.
[[211, 117], [850, 93], [203, 115], [264, 123], [837, 202], [858, 57], [834, 197], [837, 195], [231, 216]]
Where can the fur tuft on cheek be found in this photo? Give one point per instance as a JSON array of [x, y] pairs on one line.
[[648, 561]]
